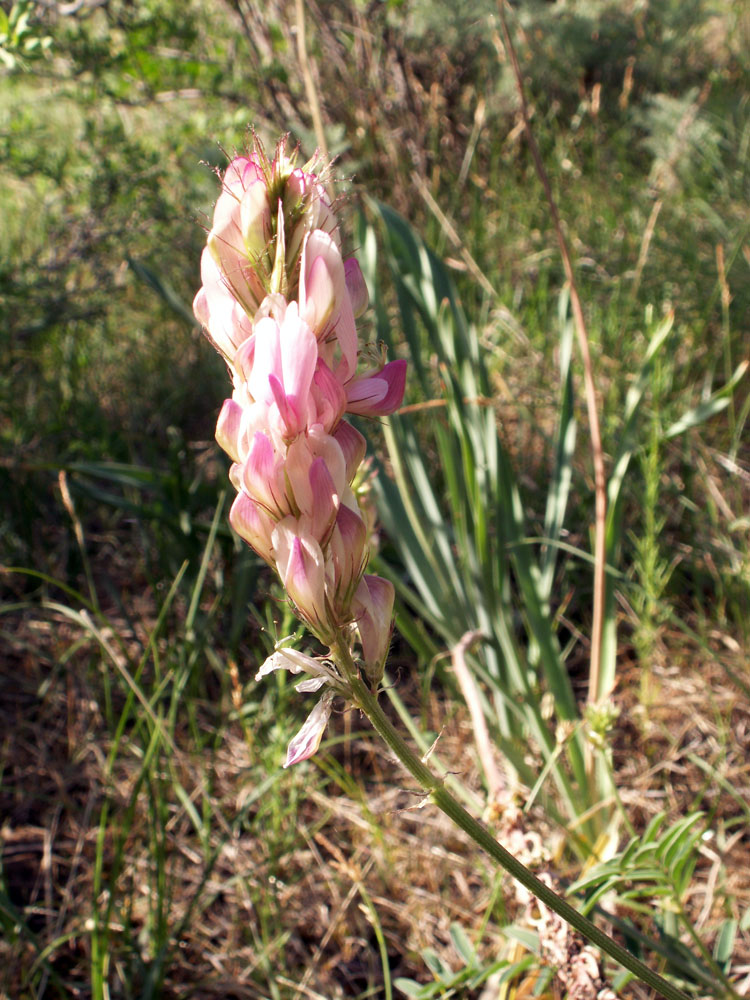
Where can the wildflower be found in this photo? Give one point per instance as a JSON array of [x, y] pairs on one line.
[[279, 303]]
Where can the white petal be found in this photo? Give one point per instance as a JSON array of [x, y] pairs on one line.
[[307, 740], [291, 660], [311, 684]]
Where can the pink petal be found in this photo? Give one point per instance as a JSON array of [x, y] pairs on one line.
[[253, 525], [227, 247], [373, 607], [353, 447], [325, 500], [283, 367], [312, 486], [244, 359], [349, 555], [220, 314], [320, 294], [321, 254], [263, 476], [328, 395], [346, 334], [228, 429], [292, 410], [255, 218], [356, 286], [241, 172], [300, 564], [380, 394], [299, 354], [266, 359]]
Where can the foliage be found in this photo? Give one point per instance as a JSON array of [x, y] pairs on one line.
[[148, 830], [652, 876], [471, 976], [469, 563]]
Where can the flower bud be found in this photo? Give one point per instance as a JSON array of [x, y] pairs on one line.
[[253, 525], [300, 564], [349, 557], [373, 608]]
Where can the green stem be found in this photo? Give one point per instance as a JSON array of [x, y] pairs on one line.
[[367, 702]]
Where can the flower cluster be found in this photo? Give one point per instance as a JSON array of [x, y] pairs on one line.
[[280, 303]]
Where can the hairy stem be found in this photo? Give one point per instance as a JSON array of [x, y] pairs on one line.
[[367, 702]]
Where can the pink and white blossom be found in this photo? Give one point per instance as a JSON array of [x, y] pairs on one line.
[[280, 304]]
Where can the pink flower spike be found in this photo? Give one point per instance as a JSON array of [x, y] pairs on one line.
[[307, 740], [356, 286], [380, 394]]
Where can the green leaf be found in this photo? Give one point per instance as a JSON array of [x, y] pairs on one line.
[[462, 944], [724, 946], [529, 939], [709, 408], [411, 988], [459, 522], [436, 965]]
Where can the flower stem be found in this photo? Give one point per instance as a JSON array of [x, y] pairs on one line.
[[442, 798]]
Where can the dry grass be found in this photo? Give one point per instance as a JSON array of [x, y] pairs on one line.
[[683, 743], [302, 905], [284, 888], [334, 851]]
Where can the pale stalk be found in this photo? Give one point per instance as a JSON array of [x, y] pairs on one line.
[[367, 702]]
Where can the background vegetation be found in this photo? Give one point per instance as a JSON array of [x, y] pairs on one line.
[[151, 843]]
